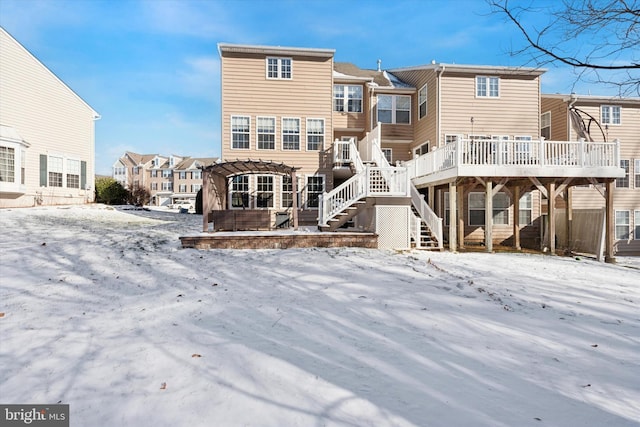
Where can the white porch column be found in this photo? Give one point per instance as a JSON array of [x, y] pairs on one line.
[[488, 216], [516, 218], [453, 209]]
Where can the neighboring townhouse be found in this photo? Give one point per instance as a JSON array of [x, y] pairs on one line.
[[595, 118], [47, 139], [170, 180], [426, 155]]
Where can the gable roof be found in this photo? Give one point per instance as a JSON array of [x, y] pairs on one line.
[[274, 50], [475, 69], [5, 35], [382, 79]]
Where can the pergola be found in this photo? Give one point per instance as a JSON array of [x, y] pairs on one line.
[[215, 182]]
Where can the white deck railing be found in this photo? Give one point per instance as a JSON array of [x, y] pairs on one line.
[[539, 153]]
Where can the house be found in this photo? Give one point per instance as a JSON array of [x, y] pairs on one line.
[[602, 119], [422, 156], [47, 154], [170, 180]]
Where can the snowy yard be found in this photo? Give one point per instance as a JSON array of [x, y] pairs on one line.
[[101, 309]]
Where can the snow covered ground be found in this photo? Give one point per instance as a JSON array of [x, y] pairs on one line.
[[101, 309]]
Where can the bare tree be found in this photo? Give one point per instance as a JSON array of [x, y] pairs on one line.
[[600, 39]]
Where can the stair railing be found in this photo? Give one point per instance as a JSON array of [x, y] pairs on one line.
[[427, 215]]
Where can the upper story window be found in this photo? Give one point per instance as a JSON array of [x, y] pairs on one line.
[[610, 114], [315, 134], [422, 102], [266, 128], [545, 125], [623, 182], [351, 94], [196, 174], [240, 130], [636, 170], [487, 87], [290, 134], [395, 109], [279, 68], [182, 175]]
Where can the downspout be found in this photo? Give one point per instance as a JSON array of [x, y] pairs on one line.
[[438, 124]]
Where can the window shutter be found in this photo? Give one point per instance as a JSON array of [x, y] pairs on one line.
[[83, 175], [43, 170]]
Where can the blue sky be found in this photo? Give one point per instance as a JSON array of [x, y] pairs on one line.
[[151, 68]]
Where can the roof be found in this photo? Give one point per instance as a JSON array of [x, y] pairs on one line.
[[382, 79], [9, 134], [475, 69], [274, 50], [194, 162], [239, 167], [594, 98]]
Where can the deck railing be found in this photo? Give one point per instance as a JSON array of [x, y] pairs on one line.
[[526, 153]]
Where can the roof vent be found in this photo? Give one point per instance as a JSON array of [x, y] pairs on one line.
[[379, 64]]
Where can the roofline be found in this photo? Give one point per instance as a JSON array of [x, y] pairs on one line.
[[95, 114], [592, 98], [274, 50], [478, 69]]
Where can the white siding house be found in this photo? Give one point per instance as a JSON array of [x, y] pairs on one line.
[[47, 153]]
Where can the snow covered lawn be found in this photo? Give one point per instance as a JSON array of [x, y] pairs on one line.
[[101, 309]]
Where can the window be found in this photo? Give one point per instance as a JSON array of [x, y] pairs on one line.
[[73, 173], [196, 174], [610, 115], [167, 186], [154, 173], [167, 173], [623, 182], [353, 96], [240, 129], [446, 209], [636, 222], [394, 109], [266, 128], [448, 139], [182, 188], [315, 134], [264, 193], [315, 188], [636, 171], [279, 68], [387, 154], [55, 171], [422, 102], [622, 225], [290, 134], [195, 187], [477, 209], [545, 125], [526, 209], [154, 186], [239, 191], [7, 164], [286, 196], [182, 175], [487, 87], [136, 170]]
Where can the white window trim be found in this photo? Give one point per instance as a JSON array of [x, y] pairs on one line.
[[394, 109], [488, 87], [528, 194], [610, 122], [390, 156], [345, 98], [426, 103], [636, 173], [257, 190], [19, 157], [299, 134], [636, 225], [275, 133], [231, 131], [627, 176], [324, 125], [545, 114], [230, 192], [306, 189], [279, 67], [469, 209], [615, 225]]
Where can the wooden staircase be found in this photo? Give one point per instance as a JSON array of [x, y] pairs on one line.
[[347, 214], [427, 239]]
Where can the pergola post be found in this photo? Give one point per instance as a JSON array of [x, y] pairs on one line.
[[460, 216], [206, 197], [294, 203], [568, 193]]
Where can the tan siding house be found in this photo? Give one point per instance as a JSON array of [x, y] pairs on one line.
[[47, 154], [605, 119]]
